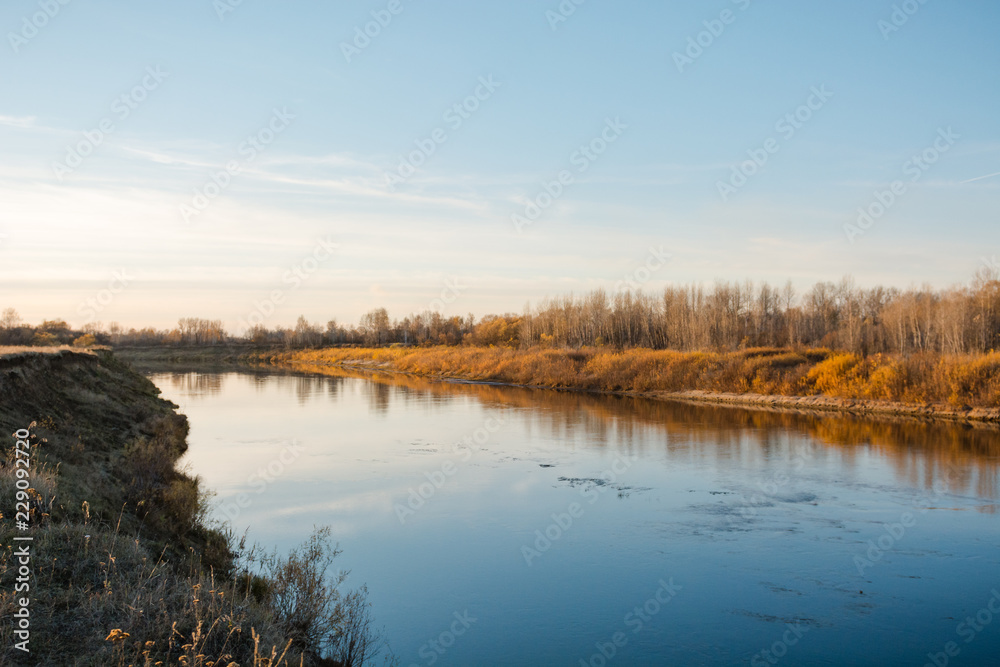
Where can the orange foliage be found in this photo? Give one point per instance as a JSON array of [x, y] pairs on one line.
[[972, 380], [498, 331]]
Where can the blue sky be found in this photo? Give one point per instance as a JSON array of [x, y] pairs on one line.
[[890, 90]]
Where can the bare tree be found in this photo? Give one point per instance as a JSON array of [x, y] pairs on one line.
[[319, 620], [376, 326], [356, 641], [10, 319]]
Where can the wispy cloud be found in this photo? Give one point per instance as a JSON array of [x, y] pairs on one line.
[[356, 188], [328, 160], [18, 121], [161, 157], [979, 178]]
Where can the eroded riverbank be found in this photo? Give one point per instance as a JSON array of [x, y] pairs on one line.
[[109, 555]]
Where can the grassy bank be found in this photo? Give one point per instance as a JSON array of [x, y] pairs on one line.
[[125, 569], [954, 385], [217, 355]]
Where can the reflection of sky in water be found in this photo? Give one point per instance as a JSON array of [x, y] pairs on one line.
[[759, 516]]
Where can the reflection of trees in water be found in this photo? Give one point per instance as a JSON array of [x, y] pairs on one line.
[[927, 454], [958, 458], [196, 384], [379, 395], [305, 388]]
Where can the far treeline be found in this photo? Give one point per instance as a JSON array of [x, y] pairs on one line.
[[725, 316]]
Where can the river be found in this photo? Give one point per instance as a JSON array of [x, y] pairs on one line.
[[507, 526]]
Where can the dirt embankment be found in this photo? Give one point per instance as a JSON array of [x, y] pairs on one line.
[[833, 404], [107, 557]]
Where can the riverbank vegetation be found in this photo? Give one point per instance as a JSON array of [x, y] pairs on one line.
[[125, 568], [957, 380]]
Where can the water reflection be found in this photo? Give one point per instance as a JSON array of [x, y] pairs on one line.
[[961, 458], [195, 384]]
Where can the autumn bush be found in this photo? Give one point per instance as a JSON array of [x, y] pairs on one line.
[[973, 379]]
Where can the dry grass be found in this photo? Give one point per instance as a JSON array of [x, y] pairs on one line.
[[14, 351], [958, 380], [127, 606], [125, 569], [102, 594]]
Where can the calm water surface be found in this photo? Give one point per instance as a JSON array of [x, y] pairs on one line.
[[563, 528]]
